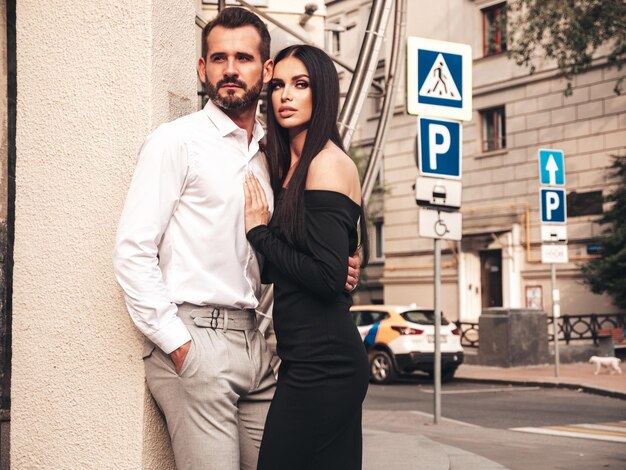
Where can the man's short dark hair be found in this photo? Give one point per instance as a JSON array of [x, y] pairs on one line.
[[236, 17]]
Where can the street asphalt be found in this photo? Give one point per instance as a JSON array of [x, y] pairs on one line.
[[392, 439]]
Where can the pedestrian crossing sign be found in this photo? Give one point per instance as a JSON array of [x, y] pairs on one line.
[[439, 79]]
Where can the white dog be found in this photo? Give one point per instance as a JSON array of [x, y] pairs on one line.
[[610, 363]]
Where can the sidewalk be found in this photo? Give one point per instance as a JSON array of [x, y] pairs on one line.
[[576, 376], [391, 441], [389, 445]]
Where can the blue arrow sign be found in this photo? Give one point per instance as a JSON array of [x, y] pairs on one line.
[[552, 202], [439, 148], [551, 167]]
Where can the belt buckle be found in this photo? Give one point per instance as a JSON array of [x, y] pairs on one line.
[[215, 315]]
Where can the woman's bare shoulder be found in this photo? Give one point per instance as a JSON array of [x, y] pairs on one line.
[[333, 170]]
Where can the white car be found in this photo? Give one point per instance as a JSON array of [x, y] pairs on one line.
[[401, 339]]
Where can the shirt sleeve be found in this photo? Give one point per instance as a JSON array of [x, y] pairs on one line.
[[324, 269], [153, 196]]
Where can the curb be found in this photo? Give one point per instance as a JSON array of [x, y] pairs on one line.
[[538, 383]]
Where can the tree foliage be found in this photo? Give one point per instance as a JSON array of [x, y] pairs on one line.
[[608, 273], [568, 31]]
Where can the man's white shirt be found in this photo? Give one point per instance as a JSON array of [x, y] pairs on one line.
[[181, 236]]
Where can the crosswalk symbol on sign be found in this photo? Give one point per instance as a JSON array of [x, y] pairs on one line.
[[440, 78], [439, 82]]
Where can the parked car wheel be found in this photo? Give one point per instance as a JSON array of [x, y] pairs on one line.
[[382, 368]]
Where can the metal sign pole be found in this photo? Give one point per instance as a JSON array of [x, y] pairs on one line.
[[556, 314], [437, 374]]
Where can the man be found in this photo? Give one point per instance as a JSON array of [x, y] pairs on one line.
[[190, 277]]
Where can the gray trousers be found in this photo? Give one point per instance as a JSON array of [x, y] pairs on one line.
[[216, 407]]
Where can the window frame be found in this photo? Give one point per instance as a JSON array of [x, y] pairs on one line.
[[497, 10], [498, 123]]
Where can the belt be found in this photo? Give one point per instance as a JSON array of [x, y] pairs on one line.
[[216, 317]]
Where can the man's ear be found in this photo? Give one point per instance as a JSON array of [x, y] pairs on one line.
[[268, 70], [202, 69]]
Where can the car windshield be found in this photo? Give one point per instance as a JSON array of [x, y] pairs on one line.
[[422, 317]]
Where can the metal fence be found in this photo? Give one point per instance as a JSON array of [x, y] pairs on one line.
[[585, 327], [468, 332], [570, 328]]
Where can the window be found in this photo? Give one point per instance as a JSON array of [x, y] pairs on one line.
[[366, 318], [494, 130], [423, 317], [378, 235], [336, 47], [333, 37], [494, 29], [589, 203]]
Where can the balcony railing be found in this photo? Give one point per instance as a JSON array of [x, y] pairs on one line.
[[570, 328]]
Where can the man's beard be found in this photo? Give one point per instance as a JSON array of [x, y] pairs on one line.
[[231, 101]]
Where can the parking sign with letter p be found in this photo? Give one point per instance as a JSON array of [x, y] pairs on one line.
[[552, 203], [439, 148]]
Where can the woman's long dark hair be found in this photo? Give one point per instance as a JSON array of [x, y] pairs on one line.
[[324, 85]]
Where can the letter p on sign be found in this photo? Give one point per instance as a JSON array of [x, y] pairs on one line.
[[439, 148], [553, 206], [436, 147]]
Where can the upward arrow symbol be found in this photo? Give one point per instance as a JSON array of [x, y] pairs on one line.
[[552, 168]]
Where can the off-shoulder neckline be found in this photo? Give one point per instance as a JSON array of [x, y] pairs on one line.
[[328, 191]]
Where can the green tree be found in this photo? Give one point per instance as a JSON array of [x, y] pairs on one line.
[[568, 31], [608, 273]]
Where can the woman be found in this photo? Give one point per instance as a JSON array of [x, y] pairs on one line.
[[314, 421]]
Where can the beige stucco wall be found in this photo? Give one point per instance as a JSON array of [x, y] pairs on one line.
[[93, 79]]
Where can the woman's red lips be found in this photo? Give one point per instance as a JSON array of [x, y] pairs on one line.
[[286, 108]]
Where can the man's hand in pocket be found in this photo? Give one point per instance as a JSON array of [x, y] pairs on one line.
[[178, 356]]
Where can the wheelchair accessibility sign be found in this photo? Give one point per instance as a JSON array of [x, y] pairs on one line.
[[434, 223], [439, 79]]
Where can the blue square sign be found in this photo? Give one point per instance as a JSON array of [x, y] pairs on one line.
[[439, 148], [551, 167], [552, 202], [439, 79]]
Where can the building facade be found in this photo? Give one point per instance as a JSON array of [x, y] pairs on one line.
[[497, 263]]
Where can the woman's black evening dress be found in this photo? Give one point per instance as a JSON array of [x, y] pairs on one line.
[[314, 421]]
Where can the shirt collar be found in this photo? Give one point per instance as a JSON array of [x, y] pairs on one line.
[[225, 125]]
